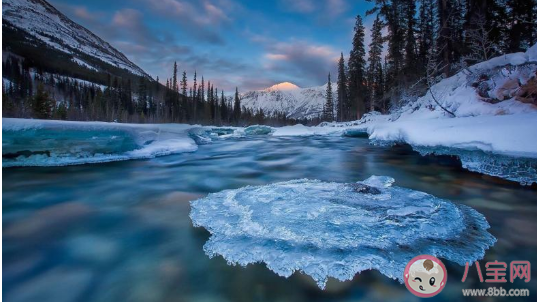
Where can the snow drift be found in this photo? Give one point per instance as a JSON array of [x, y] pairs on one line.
[[338, 229]]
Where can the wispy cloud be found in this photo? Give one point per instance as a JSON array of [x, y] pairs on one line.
[[302, 61], [299, 6]]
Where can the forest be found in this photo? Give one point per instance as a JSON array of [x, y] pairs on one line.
[[423, 42]]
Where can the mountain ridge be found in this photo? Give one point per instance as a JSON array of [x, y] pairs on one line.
[[43, 22], [295, 102]]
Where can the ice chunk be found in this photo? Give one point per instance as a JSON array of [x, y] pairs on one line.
[[205, 135], [327, 229], [258, 130], [519, 169], [356, 132]]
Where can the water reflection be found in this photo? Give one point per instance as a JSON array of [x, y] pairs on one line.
[[120, 231]]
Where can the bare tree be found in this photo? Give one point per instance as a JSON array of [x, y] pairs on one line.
[[480, 46], [434, 75]]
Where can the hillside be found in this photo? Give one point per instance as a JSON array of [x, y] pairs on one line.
[[47, 39]]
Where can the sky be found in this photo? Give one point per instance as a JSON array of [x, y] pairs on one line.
[[248, 44]]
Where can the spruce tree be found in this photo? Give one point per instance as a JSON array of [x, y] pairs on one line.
[[42, 104], [410, 40], [174, 80], [184, 85], [374, 71], [342, 92], [329, 106], [237, 107], [356, 64]]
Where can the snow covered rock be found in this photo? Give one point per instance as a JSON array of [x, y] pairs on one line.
[[336, 229]]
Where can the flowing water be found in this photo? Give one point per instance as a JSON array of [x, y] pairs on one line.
[[120, 231]]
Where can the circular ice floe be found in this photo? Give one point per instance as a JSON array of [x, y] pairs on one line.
[[338, 229]]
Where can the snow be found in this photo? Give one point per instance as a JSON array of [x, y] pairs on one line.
[[298, 103], [84, 64], [326, 229], [59, 143], [497, 137], [506, 134], [282, 87]]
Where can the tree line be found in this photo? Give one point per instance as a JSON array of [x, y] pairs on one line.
[[425, 41], [33, 92]]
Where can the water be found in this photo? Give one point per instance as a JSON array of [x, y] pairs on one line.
[[120, 231]]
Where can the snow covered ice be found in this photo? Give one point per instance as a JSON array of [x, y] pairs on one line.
[[59, 143], [327, 229]]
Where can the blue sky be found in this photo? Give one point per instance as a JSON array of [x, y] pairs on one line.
[[249, 44]]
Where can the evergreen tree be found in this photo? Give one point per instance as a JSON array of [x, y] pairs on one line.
[[174, 80], [426, 30], [523, 25], [42, 104], [357, 89], [223, 108], [342, 92], [237, 107], [329, 105], [184, 85], [202, 89], [374, 71]]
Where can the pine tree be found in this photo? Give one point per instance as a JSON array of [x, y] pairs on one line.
[[194, 89], [329, 106], [202, 90], [450, 42], [42, 104], [522, 23], [174, 81], [184, 84], [356, 64], [374, 71], [223, 108], [426, 30], [342, 92], [237, 107], [410, 39]]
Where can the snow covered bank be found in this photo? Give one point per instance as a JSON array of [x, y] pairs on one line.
[[494, 130], [27, 142], [338, 229], [58, 143]]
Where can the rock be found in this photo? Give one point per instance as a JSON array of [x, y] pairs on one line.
[[364, 189]]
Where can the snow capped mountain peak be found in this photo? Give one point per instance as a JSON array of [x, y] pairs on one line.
[[284, 86], [288, 98]]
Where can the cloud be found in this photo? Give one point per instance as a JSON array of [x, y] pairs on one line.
[[335, 8], [298, 6], [200, 19], [303, 62]]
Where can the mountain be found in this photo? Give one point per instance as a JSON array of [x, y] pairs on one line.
[[37, 31], [288, 98]]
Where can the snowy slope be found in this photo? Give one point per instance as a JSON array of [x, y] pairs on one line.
[[296, 102], [41, 20]]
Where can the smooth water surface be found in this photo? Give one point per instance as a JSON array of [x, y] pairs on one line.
[[120, 231]]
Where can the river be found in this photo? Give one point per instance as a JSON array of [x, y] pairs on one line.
[[120, 231]]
